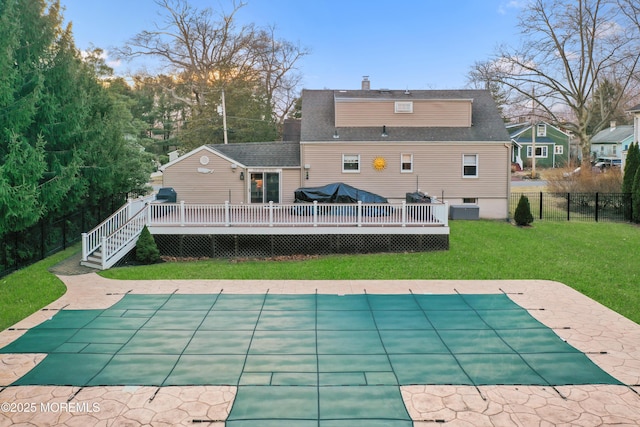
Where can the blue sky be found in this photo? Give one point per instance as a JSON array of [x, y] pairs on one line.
[[414, 44]]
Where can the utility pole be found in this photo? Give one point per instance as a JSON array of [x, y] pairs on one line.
[[224, 119], [534, 130]]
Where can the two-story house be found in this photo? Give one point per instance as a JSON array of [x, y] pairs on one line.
[[451, 144], [610, 143], [551, 145]]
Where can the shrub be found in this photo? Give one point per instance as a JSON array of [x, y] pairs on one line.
[[146, 249], [567, 180], [630, 169], [522, 215], [635, 197]]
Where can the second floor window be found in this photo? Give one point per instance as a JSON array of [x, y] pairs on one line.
[[470, 165]]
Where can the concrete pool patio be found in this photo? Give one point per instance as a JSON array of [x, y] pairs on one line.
[[610, 340]]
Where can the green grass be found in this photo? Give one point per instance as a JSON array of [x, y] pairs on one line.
[[593, 258], [28, 290]]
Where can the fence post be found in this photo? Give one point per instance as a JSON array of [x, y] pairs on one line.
[[541, 195], [568, 206], [64, 232], [597, 194], [43, 250]]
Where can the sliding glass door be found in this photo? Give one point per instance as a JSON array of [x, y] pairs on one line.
[[265, 187]]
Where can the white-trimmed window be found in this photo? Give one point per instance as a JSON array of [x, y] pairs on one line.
[[542, 151], [404, 107], [559, 149], [406, 162], [469, 165], [351, 163], [541, 129]]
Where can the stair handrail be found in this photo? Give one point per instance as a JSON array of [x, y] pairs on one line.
[[113, 244], [92, 240]]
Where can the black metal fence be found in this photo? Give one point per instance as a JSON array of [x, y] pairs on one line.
[[598, 207], [51, 235]]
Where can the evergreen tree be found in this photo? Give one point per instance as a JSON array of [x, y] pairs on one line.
[[630, 169], [146, 249], [522, 215], [635, 197], [20, 173], [63, 135]]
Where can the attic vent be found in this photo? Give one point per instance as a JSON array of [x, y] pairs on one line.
[[404, 107]]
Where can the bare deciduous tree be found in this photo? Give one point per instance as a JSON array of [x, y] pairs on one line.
[[568, 48], [210, 52]]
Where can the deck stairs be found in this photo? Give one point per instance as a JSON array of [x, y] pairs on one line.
[[116, 236]]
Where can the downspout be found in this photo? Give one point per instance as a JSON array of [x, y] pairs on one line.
[[509, 148]]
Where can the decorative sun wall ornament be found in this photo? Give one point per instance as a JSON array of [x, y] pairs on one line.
[[379, 164]]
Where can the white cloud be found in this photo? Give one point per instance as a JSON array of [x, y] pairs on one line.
[[505, 7]]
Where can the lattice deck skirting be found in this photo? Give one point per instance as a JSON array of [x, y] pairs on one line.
[[229, 245]]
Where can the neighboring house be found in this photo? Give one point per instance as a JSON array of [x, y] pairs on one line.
[[451, 144], [611, 142], [551, 145], [636, 122]]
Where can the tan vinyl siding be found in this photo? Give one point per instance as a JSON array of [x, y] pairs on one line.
[[426, 113], [437, 168], [289, 182], [194, 187]]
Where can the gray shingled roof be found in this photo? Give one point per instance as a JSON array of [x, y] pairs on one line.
[[318, 117], [617, 135], [261, 154], [634, 109]]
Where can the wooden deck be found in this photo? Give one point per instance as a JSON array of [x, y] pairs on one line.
[[110, 241]]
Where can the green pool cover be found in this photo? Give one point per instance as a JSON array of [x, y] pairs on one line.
[[298, 360]]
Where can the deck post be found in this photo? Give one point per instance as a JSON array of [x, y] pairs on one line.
[[84, 247], [181, 213], [445, 215], [315, 213], [271, 213], [129, 214], [149, 214], [359, 213], [103, 245], [226, 213], [404, 213]]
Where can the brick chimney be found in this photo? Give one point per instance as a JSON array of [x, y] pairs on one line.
[[366, 84]]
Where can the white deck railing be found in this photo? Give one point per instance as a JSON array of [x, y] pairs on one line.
[[118, 233], [298, 214], [92, 240]]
